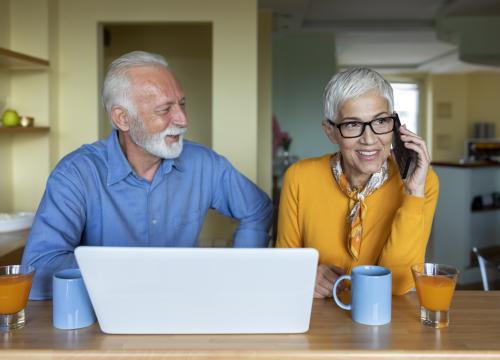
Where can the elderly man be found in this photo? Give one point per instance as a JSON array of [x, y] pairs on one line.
[[142, 186]]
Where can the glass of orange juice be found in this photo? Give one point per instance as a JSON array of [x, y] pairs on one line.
[[15, 286], [435, 285]]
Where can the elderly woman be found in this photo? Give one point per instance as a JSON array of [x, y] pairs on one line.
[[353, 206]]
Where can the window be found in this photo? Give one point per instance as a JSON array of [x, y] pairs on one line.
[[406, 104]]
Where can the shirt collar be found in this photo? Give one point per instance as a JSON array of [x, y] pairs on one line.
[[167, 165], [119, 167]]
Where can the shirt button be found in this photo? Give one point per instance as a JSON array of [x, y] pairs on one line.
[[153, 221]]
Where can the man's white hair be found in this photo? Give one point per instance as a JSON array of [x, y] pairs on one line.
[[352, 83], [117, 84]]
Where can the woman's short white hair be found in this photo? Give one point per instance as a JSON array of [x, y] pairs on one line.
[[117, 83], [351, 83]]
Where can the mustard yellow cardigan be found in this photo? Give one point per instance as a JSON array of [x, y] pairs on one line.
[[313, 213]]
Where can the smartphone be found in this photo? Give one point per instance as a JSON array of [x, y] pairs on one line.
[[406, 159]]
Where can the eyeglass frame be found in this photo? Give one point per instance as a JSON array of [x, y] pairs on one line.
[[395, 125]]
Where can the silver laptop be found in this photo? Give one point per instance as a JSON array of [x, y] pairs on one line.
[[199, 291]]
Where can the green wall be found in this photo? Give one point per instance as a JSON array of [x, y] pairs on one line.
[[302, 66]]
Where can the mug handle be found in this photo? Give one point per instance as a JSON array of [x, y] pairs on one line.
[[340, 303]]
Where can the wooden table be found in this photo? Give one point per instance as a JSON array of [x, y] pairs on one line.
[[474, 333]]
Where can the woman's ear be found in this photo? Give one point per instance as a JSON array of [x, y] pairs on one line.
[[329, 130], [120, 118]]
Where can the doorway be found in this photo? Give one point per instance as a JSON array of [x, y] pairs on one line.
[[187, 47]]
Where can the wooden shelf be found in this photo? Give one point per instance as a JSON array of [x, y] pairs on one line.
[[18, 61], [24, 130]]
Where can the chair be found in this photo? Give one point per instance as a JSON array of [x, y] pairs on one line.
[[487, 258]]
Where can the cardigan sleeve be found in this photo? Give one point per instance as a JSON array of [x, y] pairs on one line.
[[410, 232], [289, 233]]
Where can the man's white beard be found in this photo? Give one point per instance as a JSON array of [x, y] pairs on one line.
[[155, 144]]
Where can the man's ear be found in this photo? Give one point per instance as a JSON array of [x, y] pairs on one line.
[[120, 118], [329, 131]]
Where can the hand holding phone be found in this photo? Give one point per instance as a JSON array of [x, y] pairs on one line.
[[406, 159]]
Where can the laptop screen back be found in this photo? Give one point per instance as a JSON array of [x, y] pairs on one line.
[[199, 291]]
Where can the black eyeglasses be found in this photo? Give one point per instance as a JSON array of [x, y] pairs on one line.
[[379, 126]]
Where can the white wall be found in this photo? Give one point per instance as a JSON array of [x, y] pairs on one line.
[[302, 66]]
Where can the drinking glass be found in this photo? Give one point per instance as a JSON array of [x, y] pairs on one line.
[[435, 285], [15, 286]]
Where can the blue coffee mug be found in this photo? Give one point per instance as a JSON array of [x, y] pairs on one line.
[[371, 291], [72, 308]]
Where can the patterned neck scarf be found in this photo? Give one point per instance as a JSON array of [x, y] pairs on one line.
[[357, 206]]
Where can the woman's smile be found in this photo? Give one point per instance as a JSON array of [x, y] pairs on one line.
[[368, 155]]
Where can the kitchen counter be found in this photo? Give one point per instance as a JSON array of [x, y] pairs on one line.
[[12, 243], [476, 164], [458, 225], [474, 333]]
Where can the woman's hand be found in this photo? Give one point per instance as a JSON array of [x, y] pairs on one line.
[[325, 278], [415, 183]]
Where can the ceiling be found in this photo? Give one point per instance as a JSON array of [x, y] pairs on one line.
[[389, 35]]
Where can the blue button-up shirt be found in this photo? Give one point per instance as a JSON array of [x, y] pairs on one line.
[[94, 197]]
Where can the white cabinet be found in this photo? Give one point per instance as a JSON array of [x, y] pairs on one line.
[[456, 227]]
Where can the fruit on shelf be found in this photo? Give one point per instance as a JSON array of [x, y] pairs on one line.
[[10, 118]]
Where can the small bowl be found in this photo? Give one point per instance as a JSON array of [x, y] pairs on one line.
[[27, 121]]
